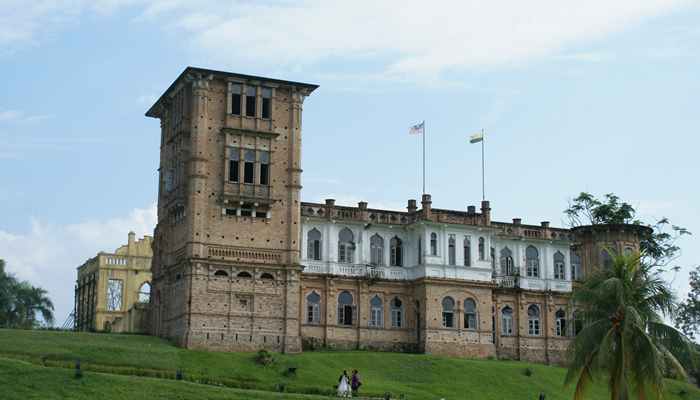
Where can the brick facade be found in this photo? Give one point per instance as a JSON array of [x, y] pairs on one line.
[[240, 263]]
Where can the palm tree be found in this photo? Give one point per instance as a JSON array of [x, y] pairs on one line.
[[624, 338], [21, 303]]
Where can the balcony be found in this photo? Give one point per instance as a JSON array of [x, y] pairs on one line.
[[355, 270], [506, 281], [248, 192]]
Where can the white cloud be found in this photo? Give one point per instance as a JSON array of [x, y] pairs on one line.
[[20, 116], [413, 38], [590, 57], [9, 115], [48, 254], [401, 39]]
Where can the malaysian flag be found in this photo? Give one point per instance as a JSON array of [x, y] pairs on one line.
[[417, 129]]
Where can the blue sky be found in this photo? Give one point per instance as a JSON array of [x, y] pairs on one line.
[[573, 97]]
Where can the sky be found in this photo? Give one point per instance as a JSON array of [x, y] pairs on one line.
[[574, 96]]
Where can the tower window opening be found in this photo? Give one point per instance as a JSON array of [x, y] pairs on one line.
[[250, 101]]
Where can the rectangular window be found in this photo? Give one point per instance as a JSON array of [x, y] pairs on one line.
[[467, 252], [247, 210], [396, 318], [231, 212], [559, 271], [250, 101], [114, 294], [448, 320], [313, 315], [266, 102], [264, 158], [534, 327], [469, 321], [233, 171], [507, 328], [233, 161], [249, 172], [341, 253], [375, 317], [236, 99], [561, 327], [345, 313]]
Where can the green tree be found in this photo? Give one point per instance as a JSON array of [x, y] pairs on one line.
[[659, 249], [624, 339], [21, 303], [688, 315]]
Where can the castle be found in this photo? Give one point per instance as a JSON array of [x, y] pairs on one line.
[[241, 263]]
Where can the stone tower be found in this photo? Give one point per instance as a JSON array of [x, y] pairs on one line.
[[597, 244], [226, 272]]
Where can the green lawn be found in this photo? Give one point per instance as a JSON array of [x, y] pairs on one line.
[[20, 380], [413, 375]]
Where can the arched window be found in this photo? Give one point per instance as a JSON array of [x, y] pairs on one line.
[[470, 320], [220, 273], [629, 251], [313, 308], [492, 254], [376, 244], [313, 240], [560, 319], [507, 321], [448, 312], [346, 246], [559, 265], [396, 252], [507, 262], [467, 252], [532, 260], [145, 293], [376, 312], [575, 266], [396, 313], [267, 276], [244, 274], [605, 259], [452, 250], [345, 308], [533, 320], [433, 244], [482, 249]]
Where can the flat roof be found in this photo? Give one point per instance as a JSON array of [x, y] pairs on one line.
[[152, 110]]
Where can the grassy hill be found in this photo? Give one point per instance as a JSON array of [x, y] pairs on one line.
[[39, 364]]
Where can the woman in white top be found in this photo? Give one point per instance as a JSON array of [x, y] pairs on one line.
[[344, 385]]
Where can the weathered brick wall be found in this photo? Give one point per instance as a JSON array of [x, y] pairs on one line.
[[193, 225], [329, 333]]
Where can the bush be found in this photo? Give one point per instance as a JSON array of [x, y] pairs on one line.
[[264, 358], [528, 371]]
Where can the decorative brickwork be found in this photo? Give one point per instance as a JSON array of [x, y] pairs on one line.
[[240, 263]]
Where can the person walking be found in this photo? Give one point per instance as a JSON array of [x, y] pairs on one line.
[[344, 385], [355, 382]]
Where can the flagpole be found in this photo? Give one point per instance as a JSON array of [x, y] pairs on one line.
[[423, 157], [483, 182]]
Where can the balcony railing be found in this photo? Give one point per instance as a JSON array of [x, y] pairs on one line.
[[356, 270], [506, 281], [247, 191]]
